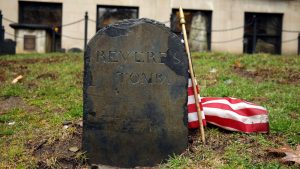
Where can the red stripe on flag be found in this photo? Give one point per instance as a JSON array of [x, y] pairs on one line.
[[195, 124], [193, 108], [191, 90]]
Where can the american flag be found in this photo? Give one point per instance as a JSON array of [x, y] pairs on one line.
[[235, 114], [231, 114], [228, 113]]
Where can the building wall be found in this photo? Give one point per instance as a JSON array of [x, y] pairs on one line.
[[226, 14], [9, 10]]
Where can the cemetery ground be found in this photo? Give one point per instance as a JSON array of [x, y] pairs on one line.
[[41, 114]]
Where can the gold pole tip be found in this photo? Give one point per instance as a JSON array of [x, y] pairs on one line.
[[181, 15]]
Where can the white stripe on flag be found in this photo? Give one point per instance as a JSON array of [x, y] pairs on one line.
[[191, 99], [236, 106], [193, 116], [234, 116], [190, 82]]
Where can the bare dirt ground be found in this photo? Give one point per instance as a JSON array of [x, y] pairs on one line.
[[31, 61], [57, 151], [287, 76], [10, 103]]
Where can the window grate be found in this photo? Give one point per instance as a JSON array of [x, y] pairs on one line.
[[29, 42]]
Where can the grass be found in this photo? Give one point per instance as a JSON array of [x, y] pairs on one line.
[[51, 93]]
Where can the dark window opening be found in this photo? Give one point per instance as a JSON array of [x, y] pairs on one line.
[[262, 33], [198, 27], [110, 14], [29, 42], [42, 13]]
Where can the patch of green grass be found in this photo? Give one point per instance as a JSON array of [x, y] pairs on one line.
[[178, 162], [74, 112], [235, 158], [6, 132], [12, 90]]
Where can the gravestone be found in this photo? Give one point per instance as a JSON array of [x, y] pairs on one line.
[[135, 94]]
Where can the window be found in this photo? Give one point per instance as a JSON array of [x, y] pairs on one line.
[[29, 42], [262, 33], [198, 27], [110, 14]]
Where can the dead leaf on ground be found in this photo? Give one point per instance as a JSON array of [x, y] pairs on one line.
[[238, 65], [294, 115], [290, 154], [73, 149]]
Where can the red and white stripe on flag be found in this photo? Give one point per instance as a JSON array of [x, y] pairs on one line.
[[228, 113], [192, 109], [235, 114]]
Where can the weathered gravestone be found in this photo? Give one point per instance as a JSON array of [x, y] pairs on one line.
[[135, 94]]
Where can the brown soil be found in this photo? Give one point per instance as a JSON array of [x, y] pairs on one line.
[[6, 63], [2, 76], [52, 76], [7, 104], [294, 115], [78, 78], [259, 99], [56, 154], [285, 76], [31, 85], [18, 67]]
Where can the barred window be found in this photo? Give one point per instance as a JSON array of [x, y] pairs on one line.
[[262, 33], [29, 42], [110, 14]]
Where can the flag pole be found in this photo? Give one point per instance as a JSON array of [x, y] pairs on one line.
[[199, 113]]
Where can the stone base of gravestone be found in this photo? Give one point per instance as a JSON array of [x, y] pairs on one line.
[[135, 94]]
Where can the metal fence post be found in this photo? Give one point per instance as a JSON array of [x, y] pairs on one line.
[[0, 18], [254, 35], [53, 39], [86, 18], [299, 44], [1, 28]]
